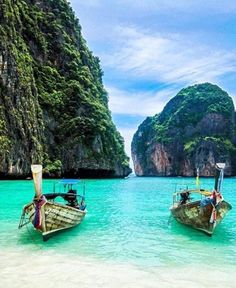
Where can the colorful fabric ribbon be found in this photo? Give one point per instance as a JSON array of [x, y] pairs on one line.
[[39, 203], [216, 199]]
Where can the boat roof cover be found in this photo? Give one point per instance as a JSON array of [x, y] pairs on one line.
[[68, 181]]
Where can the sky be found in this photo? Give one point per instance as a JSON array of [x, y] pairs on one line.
[[151, 49]]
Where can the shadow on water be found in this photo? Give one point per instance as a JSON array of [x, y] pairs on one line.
[[28, 236], [222, 235]]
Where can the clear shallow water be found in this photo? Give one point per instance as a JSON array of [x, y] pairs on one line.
[[127, 222]]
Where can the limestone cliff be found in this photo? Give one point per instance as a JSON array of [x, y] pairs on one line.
[[196, 129], [53, 105]]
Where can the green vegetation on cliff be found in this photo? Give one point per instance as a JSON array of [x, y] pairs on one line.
[[190, 106], [196, 127], [52, 84]]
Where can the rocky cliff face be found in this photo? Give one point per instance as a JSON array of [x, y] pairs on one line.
[[196, 129], [53, 106]]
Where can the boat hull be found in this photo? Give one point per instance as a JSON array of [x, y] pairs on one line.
[[192, 214], [56, 217]]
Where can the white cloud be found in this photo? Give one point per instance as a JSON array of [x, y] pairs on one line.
[[177, 60], [169, 59], [138, 103]]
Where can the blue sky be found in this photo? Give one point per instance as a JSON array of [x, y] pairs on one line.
[[151, 49]]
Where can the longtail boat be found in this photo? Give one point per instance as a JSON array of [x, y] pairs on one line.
[[205, 213], [48, 216]]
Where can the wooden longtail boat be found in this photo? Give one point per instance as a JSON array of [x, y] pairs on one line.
[[205, 213], [50, 217]]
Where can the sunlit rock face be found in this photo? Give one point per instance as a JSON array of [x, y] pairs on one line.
[[196, 129], [53, 105]]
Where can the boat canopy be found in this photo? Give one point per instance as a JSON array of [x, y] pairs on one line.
[[199, 191], [69, 181]]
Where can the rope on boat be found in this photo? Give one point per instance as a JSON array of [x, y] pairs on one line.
[[22, 220], [28, 230], [25, 222]]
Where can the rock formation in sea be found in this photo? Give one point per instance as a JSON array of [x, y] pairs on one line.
[[53, 105], [196, 129]]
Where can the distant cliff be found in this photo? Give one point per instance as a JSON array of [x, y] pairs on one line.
[[196, 129], [53, 105]]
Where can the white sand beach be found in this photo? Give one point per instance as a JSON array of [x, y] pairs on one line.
[[43, 269]]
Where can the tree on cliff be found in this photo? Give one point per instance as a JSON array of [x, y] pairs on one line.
[[195, 129], [53, 105]]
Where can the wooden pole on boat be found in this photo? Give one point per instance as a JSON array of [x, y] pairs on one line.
[[37, 176], [197, 180], [219, 176]]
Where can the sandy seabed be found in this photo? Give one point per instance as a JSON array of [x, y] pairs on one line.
[[50, 270]]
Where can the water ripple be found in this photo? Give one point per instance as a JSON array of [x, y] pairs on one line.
[[127, 221]]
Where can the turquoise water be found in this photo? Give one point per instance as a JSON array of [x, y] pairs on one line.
[[127, 221]]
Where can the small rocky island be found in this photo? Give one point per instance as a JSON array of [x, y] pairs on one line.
[[53, 105], [196, 129]]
